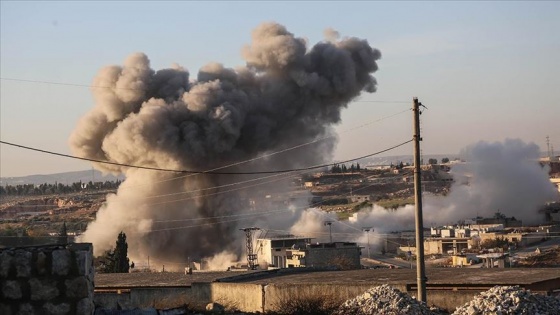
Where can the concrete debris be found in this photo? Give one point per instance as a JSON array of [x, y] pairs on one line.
[[384, 300], [505, 300], [215, 308]]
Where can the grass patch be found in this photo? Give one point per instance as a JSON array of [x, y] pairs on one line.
[[310, 304], [395, 203], [344, 215]]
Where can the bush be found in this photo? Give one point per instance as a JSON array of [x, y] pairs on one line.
[[307, 305]]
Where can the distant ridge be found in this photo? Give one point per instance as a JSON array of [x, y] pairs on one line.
[[66, 178], [89, 175], [387, 160]]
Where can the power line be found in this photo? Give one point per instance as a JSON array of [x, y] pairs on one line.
[[201, 172], [284, 150], [272, 212], [236, 163]]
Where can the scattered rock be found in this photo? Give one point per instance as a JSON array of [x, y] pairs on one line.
[[505, 300], [384, 300]]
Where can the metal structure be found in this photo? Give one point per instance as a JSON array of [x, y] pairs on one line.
[[367, 229], [329, 223], [419, 224], [252, 260]]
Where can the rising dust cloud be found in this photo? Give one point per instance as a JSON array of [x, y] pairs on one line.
[[285, 95]]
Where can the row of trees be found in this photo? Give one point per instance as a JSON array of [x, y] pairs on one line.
[[56, 188], [338, 168]]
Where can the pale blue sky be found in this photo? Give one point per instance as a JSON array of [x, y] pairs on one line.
[[486, 70]]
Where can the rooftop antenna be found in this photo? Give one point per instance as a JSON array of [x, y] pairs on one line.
[[252, 261]]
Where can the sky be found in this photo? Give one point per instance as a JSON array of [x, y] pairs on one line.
[[486, 71]]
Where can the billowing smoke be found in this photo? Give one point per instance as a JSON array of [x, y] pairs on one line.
[[286, 95], [503, 177], [506, 178]]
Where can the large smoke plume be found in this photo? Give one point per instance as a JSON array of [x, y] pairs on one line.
[[286, 95]]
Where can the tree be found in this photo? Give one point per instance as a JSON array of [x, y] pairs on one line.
[[63, 234], [121, 254], [63, 230], [432, 161], [445, 160], [115, 261], [105, 263]]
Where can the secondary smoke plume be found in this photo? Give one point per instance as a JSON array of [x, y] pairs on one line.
[[286, 95], [504, 176]]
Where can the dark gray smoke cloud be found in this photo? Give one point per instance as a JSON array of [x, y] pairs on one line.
[[286, 95]]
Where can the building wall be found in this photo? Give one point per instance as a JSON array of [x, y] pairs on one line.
[[341, 257], [277, 294], [433, 247], [253, 297], [47, 280], [238, 296]]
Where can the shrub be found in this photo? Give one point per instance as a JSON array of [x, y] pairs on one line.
[[307, 305]]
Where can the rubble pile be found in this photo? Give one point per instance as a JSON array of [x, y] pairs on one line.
[[505, 300], [384, 300]]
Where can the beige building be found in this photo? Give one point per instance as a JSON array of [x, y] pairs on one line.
[[434, 246], [273, 252]]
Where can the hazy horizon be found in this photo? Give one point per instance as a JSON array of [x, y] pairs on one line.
[[485, 70]]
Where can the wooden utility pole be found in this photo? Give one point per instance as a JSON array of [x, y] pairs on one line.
[[367, 229], [420, 268]]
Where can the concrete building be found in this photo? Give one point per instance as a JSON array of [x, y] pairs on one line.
[[461, 260], [494, 260], [342, 255], [439, 245], [273, 252]]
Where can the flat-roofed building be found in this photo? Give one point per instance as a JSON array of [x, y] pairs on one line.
[[272, 252], [343, 255]]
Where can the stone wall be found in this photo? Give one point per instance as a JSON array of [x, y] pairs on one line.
[[55, 279]]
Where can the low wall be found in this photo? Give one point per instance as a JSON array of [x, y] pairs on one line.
[[246, 297], [277, 294], [147, 297], [250, 297], [55, 279]]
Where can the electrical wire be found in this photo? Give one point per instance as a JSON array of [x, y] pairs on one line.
[[281, 151], [311, 206], [200, 172], [134, 89], [237, 163]]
